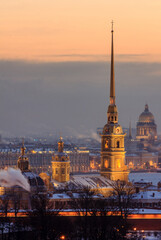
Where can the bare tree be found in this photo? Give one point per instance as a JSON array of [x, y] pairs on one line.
[[121, 197], [95, 223], [4, 202], [42, 216]]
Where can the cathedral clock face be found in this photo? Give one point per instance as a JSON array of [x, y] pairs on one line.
[[118, 130]]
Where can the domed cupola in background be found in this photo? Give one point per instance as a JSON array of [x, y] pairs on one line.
[[146, 127]]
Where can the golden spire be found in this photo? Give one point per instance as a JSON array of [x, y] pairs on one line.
[[112, 80], [112, 114]]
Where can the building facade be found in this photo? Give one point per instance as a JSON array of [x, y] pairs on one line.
[[141, 160], [79, 160]]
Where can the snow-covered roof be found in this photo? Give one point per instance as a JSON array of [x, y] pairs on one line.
[[69, 195], [33, 178], [153, 178], [60, 196], [80, 181], [91, 180], [148, 195]]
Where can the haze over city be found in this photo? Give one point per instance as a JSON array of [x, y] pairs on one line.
[[54, 67]]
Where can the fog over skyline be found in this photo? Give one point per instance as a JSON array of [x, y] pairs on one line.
[[72, 97]]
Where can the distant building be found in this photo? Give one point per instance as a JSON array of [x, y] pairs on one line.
[[146, 127], [79, 161], [141, 159], [140, 152], [39, 162]]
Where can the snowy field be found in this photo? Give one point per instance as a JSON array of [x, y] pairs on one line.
[[147, 177]]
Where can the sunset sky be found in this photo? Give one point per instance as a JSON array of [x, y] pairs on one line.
[[63, 30], [55, 63]]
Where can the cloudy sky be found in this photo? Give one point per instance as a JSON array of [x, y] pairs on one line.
[[54, 63]]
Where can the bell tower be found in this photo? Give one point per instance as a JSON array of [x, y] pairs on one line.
[[112, 139], [61, 164]]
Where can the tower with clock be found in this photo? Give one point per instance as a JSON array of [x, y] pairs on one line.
[[112, 138]]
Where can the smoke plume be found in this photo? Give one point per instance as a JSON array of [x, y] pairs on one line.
[[13, 177]]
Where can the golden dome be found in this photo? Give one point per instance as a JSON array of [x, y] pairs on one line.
[[146, 116]]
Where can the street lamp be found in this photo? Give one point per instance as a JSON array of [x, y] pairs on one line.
[[62, 237]]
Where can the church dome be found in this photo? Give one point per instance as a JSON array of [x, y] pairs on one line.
[[146, 116]]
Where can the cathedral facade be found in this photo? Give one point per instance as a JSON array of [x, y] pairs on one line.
[[146, 127]]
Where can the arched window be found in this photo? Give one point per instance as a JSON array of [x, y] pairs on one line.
[[112, 118], [106, 163], [115, 118], [118, 144]]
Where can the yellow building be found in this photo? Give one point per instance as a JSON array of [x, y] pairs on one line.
[[112, 138], [61, 164]]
